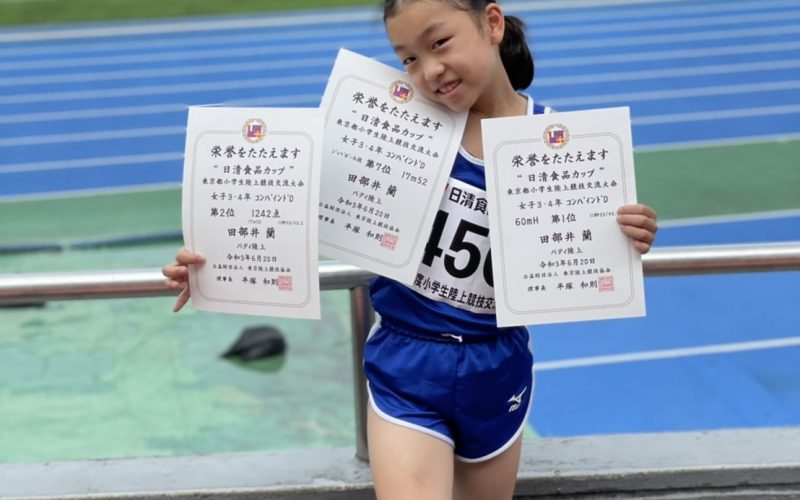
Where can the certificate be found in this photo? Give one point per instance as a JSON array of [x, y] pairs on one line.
[[250, 195], [554, 184], [387, 156]]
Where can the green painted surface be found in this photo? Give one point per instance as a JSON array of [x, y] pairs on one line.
[[720, 180], [128, 378], [68, 219]]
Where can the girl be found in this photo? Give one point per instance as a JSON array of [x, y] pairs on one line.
[[449, 390]]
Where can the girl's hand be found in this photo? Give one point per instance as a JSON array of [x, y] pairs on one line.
[[177, 275], [638, 222]]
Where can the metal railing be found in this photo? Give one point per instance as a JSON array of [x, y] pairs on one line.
[[37, 288]]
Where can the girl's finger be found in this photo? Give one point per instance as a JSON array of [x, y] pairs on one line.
[[175, 272], [183, 298], [638, 209], [185, 257], [638, 221], [638, 234]]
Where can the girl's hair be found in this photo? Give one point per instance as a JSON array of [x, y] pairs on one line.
[[514, 50]]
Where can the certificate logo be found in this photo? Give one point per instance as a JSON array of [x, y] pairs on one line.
[[401, 92], [254, 130], [556, 136]]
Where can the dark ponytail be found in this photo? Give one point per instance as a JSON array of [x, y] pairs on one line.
[[516, 56], [514, 52]]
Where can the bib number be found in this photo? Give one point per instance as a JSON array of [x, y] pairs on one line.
[[459, 243]]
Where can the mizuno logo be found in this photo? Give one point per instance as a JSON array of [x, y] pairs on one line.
[[516, 400], [456, 337]]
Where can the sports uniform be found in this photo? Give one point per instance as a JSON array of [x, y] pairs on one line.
[[436, 361]]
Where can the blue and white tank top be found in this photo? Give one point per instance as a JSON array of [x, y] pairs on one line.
[[453, 291]]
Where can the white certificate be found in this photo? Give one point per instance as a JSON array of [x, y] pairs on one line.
[[387, 156], [554, 184], [250, 194]]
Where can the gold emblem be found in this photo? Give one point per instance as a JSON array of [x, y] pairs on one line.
[[556, 136], [254, 130]]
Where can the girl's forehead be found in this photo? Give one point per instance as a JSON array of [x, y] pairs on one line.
[[406, 8]]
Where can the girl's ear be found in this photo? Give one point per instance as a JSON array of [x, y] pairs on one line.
[[496, 23]]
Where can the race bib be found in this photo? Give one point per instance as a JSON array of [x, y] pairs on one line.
[[457, 265]]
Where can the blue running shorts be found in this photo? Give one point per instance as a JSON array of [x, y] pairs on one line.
[[474, 394]]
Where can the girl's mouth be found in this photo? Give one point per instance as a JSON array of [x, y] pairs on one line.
[[448, 87]]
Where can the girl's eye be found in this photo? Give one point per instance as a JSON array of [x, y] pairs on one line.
[[408, 60], [439, 43]]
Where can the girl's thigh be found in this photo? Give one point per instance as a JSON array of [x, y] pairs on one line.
[[407, 463], [493, 479]]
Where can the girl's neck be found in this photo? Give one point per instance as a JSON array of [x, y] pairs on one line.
[[506, 103]]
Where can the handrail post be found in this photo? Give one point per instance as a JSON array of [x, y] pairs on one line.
[[362, 317]]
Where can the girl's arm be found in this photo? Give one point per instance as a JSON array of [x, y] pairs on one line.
[[638, 222]]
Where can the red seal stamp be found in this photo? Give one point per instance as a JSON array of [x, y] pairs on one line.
[[605, 283], [389, 241], [285, 283]]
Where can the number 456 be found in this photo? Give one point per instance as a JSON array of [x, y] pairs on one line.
[[459, 244]]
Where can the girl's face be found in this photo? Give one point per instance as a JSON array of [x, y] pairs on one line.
[[447, 55]]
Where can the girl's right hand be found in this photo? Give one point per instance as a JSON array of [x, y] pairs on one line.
[[177, 275]]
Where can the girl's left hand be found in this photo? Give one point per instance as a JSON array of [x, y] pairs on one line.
[[638, 222]]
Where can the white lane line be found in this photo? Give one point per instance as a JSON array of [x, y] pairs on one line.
[[697, 36], [192, 55], [716, 143], [546, 32], [210, 40], [78, 95], [552, 61], [274, 20], [637, 357], [730, 218], [108, 161], [650, 74], [718, 115], [205, 69], [105, 135], [82, 114], [80, 193], [627, 97], [684, 9]]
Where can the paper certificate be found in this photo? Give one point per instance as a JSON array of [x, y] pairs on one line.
[[387, 156], [250, 195], [554, 184]]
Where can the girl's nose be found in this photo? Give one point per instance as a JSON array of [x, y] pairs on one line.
[[433, 70]]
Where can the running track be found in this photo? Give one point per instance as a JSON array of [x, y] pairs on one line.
[[104, 108]]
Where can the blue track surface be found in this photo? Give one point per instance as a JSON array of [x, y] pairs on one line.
[[105, 112], [682, 390], [79, 114]]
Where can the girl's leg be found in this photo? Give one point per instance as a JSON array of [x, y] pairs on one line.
[[407, 464], [493, 479]]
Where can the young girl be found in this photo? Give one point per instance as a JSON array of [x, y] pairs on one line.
[[449, 390]]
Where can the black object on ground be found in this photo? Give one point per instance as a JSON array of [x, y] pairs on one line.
[[257, 342]]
